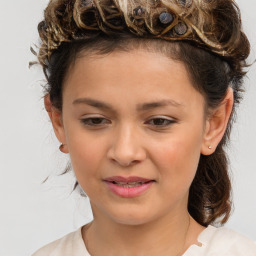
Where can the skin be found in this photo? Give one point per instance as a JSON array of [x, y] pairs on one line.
[[127, 142]]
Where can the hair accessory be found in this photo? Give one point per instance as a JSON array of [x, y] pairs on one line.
[[166, 18], [139, 11], [181, 28], [87, 3], [185, 3], [204, 22]]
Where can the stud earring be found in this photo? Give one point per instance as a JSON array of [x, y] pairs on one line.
[[210, 147]]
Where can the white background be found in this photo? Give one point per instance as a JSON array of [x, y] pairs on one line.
[[31, 214]]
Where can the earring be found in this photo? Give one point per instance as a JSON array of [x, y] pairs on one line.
[[61, 147], [210, 147]]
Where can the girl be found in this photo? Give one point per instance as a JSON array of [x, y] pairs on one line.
[[141, 95]]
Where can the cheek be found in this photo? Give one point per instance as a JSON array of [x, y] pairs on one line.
[[177, 160], [85, 153], [86, 159]]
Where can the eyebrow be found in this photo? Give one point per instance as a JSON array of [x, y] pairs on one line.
[[139, 107]]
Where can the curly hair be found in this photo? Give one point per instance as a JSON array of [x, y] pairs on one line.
[[205, 35]]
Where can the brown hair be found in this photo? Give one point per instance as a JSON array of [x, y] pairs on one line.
[[71, 28]]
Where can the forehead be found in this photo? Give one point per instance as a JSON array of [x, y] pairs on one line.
[[137, 75]]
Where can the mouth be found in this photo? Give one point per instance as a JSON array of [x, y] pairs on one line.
[[132, 181], [128, 187], [130, 184]]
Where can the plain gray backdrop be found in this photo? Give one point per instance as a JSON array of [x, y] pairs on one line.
[[32, 214]]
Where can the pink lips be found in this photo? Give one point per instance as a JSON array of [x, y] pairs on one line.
[[128, 187]]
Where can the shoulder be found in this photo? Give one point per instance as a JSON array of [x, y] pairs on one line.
[[70, 244], [224, 241]]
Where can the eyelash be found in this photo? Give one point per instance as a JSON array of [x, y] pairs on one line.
[[165, 120], [87, 122]]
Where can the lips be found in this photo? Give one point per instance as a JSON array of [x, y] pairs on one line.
[[120, 179], [128, 187]]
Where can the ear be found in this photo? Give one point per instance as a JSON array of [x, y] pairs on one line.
[[216, 124], [57, 122]]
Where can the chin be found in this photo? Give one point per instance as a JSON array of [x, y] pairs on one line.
[[130, 222], [132, 218]]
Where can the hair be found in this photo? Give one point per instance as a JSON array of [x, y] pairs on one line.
[[72, 29]]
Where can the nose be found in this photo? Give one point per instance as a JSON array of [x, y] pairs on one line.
[[126, 146]]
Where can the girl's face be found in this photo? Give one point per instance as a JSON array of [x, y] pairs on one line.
[[130, 115]]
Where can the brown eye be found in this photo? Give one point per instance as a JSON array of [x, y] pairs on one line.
[[95, 121], [161, 122]]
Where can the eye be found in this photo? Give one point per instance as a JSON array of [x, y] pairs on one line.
[[161, 122], [94, 121]]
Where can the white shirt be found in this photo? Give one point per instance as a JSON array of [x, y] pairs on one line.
[[215, 242]]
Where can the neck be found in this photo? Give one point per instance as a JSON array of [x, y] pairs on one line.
[[168, 235]]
